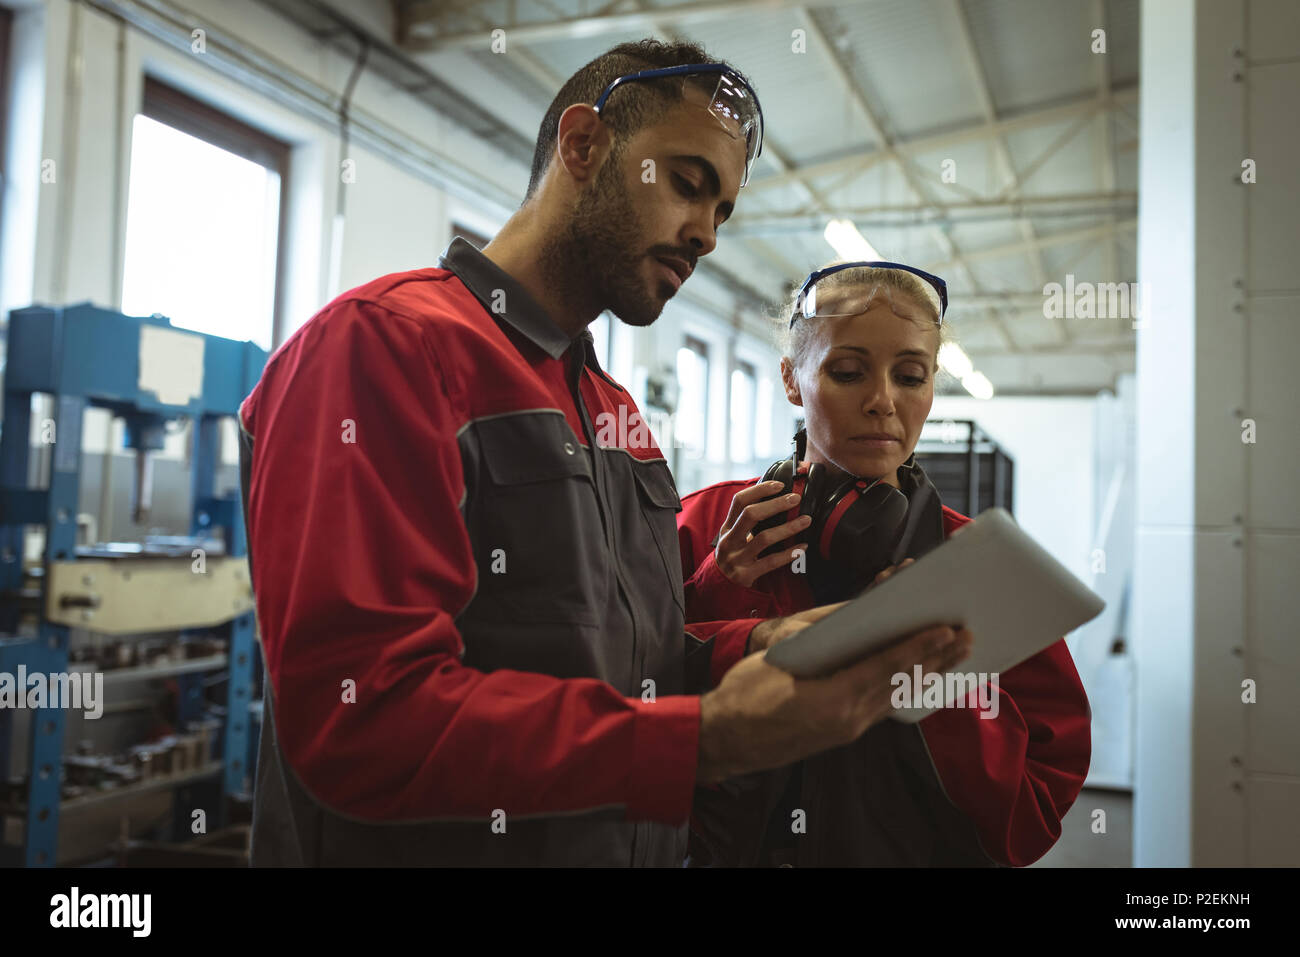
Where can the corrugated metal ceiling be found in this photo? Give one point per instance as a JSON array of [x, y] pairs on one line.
[[908, 62]]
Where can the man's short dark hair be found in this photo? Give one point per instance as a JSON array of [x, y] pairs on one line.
[[632, 107]]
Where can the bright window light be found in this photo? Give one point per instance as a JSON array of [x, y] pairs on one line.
[[622, 360], [692, 399], [848, 243], [978, 385], [763, 433], [954, 360], [600, 333], [201, 235], [742, 415]]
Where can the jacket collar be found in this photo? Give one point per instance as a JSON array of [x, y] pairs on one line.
[[502, 295]]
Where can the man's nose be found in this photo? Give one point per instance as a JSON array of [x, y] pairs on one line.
[[702, 236]]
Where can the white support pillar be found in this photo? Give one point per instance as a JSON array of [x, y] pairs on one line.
[[1217, 780]]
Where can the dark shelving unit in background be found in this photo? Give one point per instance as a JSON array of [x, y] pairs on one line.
[[970, 470]]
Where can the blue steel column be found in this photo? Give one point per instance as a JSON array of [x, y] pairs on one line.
[[50, 655], [210, 512], [14, 454]]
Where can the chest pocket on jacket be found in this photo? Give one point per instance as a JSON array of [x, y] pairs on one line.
[[659, 507], [533, 522]]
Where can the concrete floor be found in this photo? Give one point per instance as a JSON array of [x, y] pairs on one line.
[[1080, 847]]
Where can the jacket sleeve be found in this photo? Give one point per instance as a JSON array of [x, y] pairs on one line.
[[716, 607], [362, 562], [1015, 776]]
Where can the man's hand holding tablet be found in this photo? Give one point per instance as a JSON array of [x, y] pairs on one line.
[[762, 717]]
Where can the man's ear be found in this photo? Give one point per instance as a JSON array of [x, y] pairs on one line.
[[582, 142], [791, 382]]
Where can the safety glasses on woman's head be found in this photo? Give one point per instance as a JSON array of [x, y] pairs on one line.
[[732, 101], [842, 300]]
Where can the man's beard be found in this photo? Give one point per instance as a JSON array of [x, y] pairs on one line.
[[597, 260]]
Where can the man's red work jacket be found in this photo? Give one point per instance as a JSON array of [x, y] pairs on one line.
[[1012, 777], [462, 544]]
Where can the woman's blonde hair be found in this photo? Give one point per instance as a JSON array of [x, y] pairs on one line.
[[794, 341]]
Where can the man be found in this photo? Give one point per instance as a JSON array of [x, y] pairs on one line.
[[468, 584]]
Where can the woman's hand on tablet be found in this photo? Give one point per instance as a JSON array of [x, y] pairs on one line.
[[738, 551]]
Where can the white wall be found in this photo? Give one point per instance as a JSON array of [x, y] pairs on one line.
[[1104, 653], [1052, 442], [1073, 492], [1218, 535], [23, 111]]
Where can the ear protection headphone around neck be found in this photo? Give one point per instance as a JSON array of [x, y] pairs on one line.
[[858, 524]]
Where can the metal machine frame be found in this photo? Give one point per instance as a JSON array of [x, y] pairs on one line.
[[944, 438], [84, 356]]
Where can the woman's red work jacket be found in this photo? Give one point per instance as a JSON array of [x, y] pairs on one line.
[[1013, 777]]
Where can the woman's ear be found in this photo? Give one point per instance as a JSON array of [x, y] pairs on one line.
[[791, 382]]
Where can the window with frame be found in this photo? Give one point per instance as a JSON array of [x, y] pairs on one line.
[[205, 211], [601, 328], [744, 389], [763, 444], [691, 419]]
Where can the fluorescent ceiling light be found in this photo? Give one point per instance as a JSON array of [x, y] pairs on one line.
[[848, 242], [978, 385], [954, 360]]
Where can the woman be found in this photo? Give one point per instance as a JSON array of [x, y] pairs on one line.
[[957, 788]]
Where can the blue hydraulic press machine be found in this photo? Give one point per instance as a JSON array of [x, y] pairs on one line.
[[149, 373]]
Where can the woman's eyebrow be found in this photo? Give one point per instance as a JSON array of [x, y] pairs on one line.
[[901, 352]]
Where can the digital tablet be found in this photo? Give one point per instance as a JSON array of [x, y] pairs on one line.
[[991, 577]]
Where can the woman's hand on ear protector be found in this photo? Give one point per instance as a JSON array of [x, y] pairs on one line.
[[739, 549]]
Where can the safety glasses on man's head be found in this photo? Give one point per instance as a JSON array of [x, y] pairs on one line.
[[732, 101], [844, 299]]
